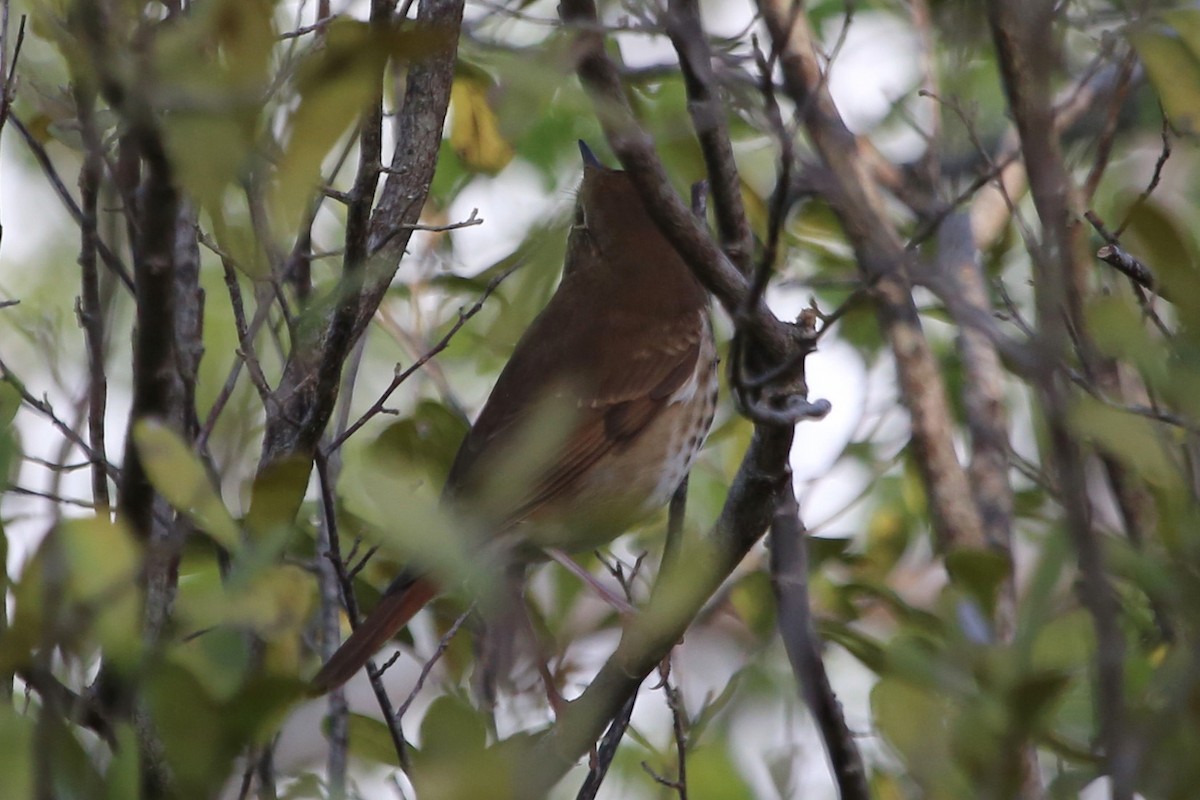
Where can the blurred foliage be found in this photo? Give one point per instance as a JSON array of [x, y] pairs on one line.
[[947, 687]]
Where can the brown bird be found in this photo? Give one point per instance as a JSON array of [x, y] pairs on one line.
[[625, 347]]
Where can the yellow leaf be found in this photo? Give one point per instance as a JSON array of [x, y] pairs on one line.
[[475, 132]]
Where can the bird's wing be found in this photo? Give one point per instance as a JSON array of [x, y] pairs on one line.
[[616, 395]]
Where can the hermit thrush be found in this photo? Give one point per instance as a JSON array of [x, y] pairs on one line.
[[625, 343]]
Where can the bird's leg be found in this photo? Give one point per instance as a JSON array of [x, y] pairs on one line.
[[608, 595]]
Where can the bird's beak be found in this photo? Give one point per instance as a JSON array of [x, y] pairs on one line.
[[589, 158]]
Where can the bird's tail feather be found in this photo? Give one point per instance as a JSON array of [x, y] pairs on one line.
[[402, 600]]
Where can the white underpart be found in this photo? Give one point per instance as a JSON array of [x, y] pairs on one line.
[[683, 456]]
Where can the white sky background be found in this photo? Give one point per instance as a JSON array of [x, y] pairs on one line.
[[875, 67]]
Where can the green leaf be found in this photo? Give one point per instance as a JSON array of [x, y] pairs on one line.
[[103, 560], [213, 67], [1161, 236], [16, 753], [980, 572], [191, 726], [862, 647], [827, 548], [101, 557], [1175, 73], [713, 706], [425, 441], [274, 601], [712, 775], [371, 741], [1133, 439], [754, 601], [218, 658], [209, 151], [1186, 22], [10, 403], [1065, 643], [73, 774], [277, 494], [336, 83], [453, 762], [1118, 329], [180, 477], [10, 446], [451, 727], [1035, 694], [917, 722], [123, 779]]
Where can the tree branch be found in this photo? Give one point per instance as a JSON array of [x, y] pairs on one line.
[[686, 30], [856, 200], [91, 312], [296, 426], [789, 577], [634, 148], [649, 636], [1023, 33]]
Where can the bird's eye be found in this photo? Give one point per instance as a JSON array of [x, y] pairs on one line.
[[580, 217]]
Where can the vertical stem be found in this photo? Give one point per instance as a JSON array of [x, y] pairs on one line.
[[789, 577], [91, 314], [1023, 33]]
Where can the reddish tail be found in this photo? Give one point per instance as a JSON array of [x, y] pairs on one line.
[[402, 600]]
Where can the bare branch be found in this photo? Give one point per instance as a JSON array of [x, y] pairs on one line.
[[881, 256], [635, 151], [1155, 177], [789, 577], [607, 751], [649, 636], [44, 408], [390, 718], [110, 259], [307, 390], [708, 119], [1023, 35], [403, 375], [427, 667], [91, 313]]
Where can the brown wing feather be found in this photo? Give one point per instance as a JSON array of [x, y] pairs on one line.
[[621, 394]]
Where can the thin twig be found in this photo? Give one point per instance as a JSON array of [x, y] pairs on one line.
[[427, 667], [44, 408], [678, 730], [470, 222], [70, 501], [403, 375], [1108, 133], [607, 751], [1163, 155], [391, 720], [91, 313], [10, 80], [686, 30], [110, 259]]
